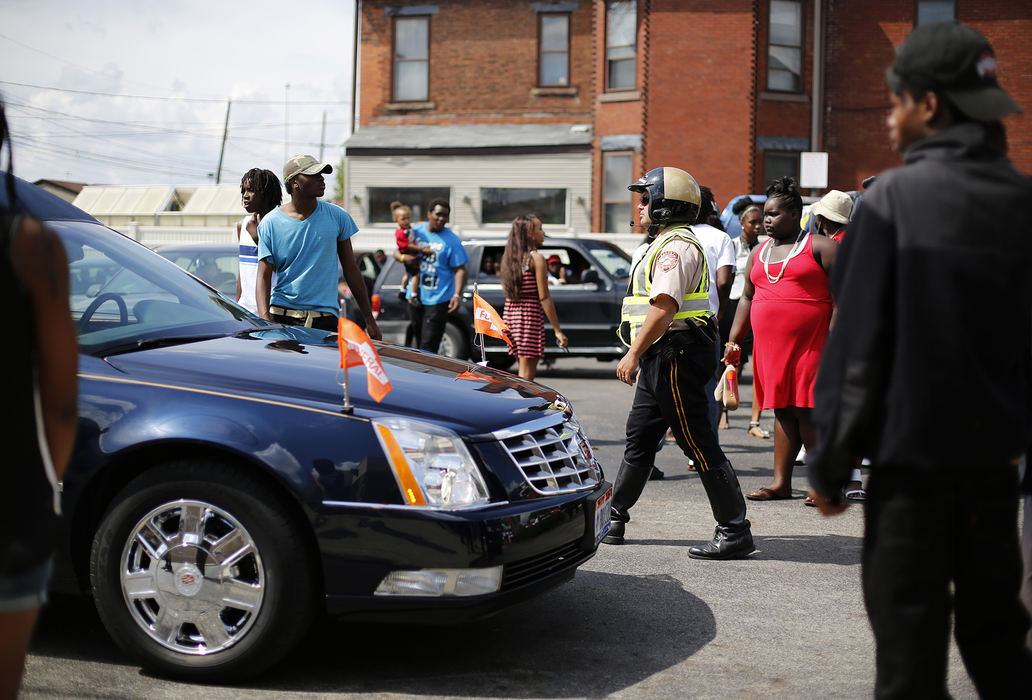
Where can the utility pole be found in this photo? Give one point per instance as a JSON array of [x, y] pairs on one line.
[[222, 149], [286, 124], [322, 136]]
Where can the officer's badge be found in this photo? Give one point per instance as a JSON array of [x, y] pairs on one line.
[[667, 260]]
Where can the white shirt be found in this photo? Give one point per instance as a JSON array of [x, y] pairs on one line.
[[742, 254], [720, 252]]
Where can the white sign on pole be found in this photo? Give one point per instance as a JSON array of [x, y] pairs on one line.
[[813, 170]]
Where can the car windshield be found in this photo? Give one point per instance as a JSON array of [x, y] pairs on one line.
[[616, 262], [216, 266], [124, 296]]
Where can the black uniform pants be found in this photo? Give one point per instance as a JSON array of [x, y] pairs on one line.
[[925, 530], [672, 393]]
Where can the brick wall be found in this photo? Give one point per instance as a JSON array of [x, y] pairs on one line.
[[1008, 26], [483, 65], [861, 44], [698, 91]]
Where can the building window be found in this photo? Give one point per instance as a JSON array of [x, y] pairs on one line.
[[554, 43], [411, 58], [785, 48], [616, 196], [500, 205], [415, 198], [929, 11], [621, 50], [779, 164]]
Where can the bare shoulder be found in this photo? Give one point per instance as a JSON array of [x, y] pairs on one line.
[[822, 244]]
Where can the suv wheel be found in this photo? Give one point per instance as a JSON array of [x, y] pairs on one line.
[[200, 573]]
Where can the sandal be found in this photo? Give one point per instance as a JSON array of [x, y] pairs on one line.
[[858, 495], [808, 501], [756, 431], [765, 494]]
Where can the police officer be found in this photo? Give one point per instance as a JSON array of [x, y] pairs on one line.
[[670, 331]]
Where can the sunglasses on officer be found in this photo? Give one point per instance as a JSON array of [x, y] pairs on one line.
[[644, 199]]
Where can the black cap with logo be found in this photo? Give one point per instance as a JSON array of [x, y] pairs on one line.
[[956, 61]]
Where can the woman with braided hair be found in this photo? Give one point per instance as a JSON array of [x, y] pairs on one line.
[[260, 192]]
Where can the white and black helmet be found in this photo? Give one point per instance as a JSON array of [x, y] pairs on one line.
[[673, 195]]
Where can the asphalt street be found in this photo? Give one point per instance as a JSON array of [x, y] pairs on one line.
[[640, 620]]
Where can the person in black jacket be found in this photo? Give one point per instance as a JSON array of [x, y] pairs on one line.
[[934, 284]]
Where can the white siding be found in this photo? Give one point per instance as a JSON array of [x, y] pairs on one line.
[[465, 175]]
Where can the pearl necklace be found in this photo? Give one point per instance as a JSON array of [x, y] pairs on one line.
[[797, 248]]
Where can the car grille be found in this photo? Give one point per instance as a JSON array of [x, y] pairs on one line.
[[554, 460], [534, 568]]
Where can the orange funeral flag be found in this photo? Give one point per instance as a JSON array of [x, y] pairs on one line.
[[487, 321], [357, 349]]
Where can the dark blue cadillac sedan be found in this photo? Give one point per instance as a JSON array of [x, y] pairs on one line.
[[220, 496]]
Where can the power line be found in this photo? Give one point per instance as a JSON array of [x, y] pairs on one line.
[[45, 149], [174, 99]]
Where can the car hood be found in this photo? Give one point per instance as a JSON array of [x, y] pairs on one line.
[[299, 366]]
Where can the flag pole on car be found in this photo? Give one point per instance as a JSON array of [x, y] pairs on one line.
[[342, 343], [487, 321]]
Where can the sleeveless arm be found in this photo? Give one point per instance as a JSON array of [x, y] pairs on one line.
[[43, 268]]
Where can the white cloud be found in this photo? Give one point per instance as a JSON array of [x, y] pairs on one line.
[[186, 48]]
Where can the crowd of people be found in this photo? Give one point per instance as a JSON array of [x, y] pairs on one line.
[[856, 338]]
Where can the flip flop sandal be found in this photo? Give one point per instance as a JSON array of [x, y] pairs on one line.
[[765, 494], [855, 495], [809, 502], [759, 432]]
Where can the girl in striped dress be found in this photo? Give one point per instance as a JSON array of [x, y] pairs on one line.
[[527, 300]]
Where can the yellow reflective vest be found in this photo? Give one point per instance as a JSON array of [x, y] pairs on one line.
[[694, 304]]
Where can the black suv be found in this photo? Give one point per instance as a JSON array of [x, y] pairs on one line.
[[588, 305]]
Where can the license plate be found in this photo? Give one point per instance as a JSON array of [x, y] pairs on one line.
[[602, 512]]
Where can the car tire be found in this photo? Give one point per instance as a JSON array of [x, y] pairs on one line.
[[454, 342], [201, 573]]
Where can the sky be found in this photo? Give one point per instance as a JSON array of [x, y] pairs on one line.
[[133, 92]]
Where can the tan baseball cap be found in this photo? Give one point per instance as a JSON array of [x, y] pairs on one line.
[[834, 206], [304, 165]]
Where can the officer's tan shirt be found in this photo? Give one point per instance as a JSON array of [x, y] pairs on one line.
[[676, 270]]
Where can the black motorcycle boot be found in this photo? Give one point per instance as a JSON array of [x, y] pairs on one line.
[[630, 482], [732, 538]]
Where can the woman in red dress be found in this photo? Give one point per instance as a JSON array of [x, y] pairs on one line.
[[788, 305], [527, 300]]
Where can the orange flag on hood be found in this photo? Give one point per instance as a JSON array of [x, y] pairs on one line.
[[357, 349], [487, 321]]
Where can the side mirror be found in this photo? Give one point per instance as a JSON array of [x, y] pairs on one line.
[[591, 277]]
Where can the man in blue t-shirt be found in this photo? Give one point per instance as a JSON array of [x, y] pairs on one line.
[[442, 273], [302, 241]]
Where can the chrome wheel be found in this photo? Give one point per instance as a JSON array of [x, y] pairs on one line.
[[192, 577]]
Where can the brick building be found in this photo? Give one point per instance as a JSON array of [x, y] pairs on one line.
[[505, 106]]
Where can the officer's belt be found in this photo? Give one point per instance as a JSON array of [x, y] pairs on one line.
[[671, 344]]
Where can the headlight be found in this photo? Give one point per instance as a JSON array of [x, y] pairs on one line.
[[431, 464]]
